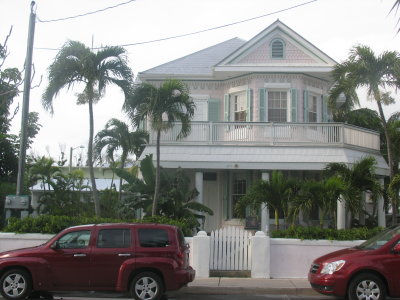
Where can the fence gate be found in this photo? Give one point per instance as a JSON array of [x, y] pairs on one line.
[[230, 250]]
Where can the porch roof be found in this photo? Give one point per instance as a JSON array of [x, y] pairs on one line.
[[259, 157]]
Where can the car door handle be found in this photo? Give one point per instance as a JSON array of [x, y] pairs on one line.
[[124, 254], [79, 255]]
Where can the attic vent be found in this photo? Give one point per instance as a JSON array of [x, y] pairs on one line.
[[277, 49]]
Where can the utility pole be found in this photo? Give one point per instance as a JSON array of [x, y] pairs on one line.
[[25, 103]]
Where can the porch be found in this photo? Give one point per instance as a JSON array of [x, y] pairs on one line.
[[273, 134]]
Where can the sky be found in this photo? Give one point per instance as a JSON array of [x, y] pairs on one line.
[[334, 26]]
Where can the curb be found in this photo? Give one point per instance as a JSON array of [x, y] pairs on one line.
[[228, 290]]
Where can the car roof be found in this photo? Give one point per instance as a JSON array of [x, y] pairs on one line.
[[111, 225]]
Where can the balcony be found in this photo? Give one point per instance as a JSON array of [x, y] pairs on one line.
[[273, 134]]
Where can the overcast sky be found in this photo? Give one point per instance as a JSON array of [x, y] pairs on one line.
[[334, 26]]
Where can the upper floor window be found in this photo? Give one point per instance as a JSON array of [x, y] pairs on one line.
[[312, 109], [277, 48], [277, 106], [240, 107]]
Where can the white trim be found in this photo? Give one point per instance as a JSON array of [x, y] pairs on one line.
[[238, 89], [199, 96], [315, 90], [277, 85]]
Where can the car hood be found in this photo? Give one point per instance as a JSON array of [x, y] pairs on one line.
[[21, 252], [341, 254]]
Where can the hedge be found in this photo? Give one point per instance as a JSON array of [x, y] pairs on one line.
[[318, 233], [53, 224]]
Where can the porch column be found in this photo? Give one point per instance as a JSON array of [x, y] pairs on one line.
[[264, 209], [341, 214], [199, 198], [381, 208], [199, 186]]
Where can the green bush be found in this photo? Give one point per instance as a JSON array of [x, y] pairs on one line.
[[54, 224], [318, 233]]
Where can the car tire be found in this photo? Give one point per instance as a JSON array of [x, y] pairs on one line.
[[366, 286], [15, 284], [147, 286]]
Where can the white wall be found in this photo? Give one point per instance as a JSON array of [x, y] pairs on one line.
[[289, 258]]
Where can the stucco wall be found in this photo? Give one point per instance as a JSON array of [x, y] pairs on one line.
[[290, 258]]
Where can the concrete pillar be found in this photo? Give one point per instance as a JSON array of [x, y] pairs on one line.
[[261, 251], [341, 214], [198, 181], [381, 208], [199, 186], [201, 254], [264, 209]]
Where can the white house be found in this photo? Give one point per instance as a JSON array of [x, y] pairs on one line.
[[261, 106]]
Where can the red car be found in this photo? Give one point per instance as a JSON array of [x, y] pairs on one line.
[[366, 272], [144, 259]]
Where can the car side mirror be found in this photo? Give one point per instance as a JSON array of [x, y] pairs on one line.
[[55, 245], [396, 249]]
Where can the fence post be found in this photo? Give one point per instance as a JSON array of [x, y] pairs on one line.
[[260, 248], [201, 254]]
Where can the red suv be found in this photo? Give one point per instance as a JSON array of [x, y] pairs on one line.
[[366, 272], [144, 259]]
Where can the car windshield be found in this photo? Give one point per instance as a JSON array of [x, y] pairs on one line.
[[380, 239]]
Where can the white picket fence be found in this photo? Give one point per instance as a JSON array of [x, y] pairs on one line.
[[230, 249]]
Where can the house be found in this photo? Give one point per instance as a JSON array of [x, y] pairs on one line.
[[261, 105]]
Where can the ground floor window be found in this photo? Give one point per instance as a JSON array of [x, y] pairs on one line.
[[239, 190]]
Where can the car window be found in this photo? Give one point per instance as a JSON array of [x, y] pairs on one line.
[[114, 238], [153, 237], [75, 239], [380, 239]]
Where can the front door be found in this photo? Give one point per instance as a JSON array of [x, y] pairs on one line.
[[69, 261]]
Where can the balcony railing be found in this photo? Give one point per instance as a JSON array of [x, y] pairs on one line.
[[272, 134]]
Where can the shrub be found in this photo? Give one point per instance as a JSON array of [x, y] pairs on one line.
[[54, 224], [318, 233]]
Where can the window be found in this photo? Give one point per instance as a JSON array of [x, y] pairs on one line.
[[114, 238], [153, 237], [277, 49], [74, 240], [240, 107], [312, 109], [239, 190], [277, 106]]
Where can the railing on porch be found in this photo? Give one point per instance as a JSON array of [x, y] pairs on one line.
[[321, 134]]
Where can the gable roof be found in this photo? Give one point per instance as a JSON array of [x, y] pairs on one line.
[[236, 57], [198, 64]]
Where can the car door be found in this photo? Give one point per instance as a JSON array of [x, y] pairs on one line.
[[69, 260], [112, 249]]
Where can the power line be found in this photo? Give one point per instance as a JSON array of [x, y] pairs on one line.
[[203, 30], [86, 14]]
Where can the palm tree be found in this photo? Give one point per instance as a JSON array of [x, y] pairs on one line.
[[162, 106], [395, 8], [358, 178], [317, 194], [117, 136], [43, 169], [276, 193], [76, 63], [364, 69]]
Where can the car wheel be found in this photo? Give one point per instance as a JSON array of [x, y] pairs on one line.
[[15, 284], [366, 287], [147, 286]]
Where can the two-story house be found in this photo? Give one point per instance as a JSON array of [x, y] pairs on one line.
[[261, 105]]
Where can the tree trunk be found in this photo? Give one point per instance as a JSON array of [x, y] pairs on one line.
[[95, 193], [157, 185], [390, 158]]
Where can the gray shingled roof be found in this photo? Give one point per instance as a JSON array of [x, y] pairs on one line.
[[199, 63]]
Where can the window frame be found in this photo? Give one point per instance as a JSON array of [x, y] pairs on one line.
[[270, 107], [281, 51]]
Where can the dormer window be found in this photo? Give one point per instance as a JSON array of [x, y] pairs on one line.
[[277, 48]]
